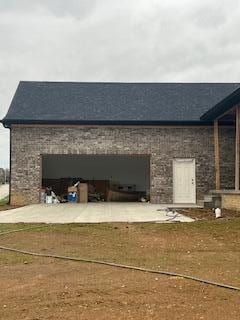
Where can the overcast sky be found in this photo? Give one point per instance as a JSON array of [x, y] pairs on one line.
[[107, 40]]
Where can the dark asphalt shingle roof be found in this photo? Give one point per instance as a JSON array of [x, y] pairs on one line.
[[223, 106], [116, 102]]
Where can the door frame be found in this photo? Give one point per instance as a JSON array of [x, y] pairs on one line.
[[193, 160]]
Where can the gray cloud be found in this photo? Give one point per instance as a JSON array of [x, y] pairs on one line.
[[105, 40], [55, 7]]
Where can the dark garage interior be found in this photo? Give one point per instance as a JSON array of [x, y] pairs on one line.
[[100, 177]]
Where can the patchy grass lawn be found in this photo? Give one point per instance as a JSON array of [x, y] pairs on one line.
[[4, 204], [43, 288], [4, 201]]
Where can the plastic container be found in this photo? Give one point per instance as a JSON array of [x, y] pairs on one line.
[[49, 199], [218, 213], [72, 197]]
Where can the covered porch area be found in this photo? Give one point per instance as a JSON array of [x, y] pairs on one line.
[[226, 114]]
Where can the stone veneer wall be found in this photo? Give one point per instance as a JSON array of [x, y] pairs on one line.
[[163, 144], [231, 201], [227, 157]]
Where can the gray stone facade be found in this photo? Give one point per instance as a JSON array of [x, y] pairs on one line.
[[227, 157], [163, 144]]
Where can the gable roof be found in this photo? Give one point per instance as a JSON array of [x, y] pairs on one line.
[[117, 103]]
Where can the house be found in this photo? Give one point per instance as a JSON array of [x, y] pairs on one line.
[[174, 142]]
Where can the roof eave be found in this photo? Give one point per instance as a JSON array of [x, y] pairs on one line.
[[222, 107], [4, 123], [8, 122]]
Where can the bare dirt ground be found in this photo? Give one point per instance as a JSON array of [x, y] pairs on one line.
[[44, 288], [208, 214]]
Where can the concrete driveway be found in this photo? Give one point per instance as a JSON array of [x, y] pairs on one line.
[[4, 191], [91, 213]]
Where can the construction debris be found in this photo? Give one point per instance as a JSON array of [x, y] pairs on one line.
[[78, 190]]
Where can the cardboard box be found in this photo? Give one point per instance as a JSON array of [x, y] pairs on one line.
[[83, 193], [72, 189]]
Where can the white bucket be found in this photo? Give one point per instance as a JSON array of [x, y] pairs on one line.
[[218, 213]]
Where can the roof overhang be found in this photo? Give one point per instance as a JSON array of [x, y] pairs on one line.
[[7, 123], [222, 107]]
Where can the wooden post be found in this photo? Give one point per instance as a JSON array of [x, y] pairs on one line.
[[217, 155], [237, 139]]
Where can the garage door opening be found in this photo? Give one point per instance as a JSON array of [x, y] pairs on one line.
[[106, 177]]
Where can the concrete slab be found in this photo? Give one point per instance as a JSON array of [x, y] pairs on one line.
[[4, 191], [91, 213]]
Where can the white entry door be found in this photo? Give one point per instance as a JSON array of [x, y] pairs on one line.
[[184, 184]]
